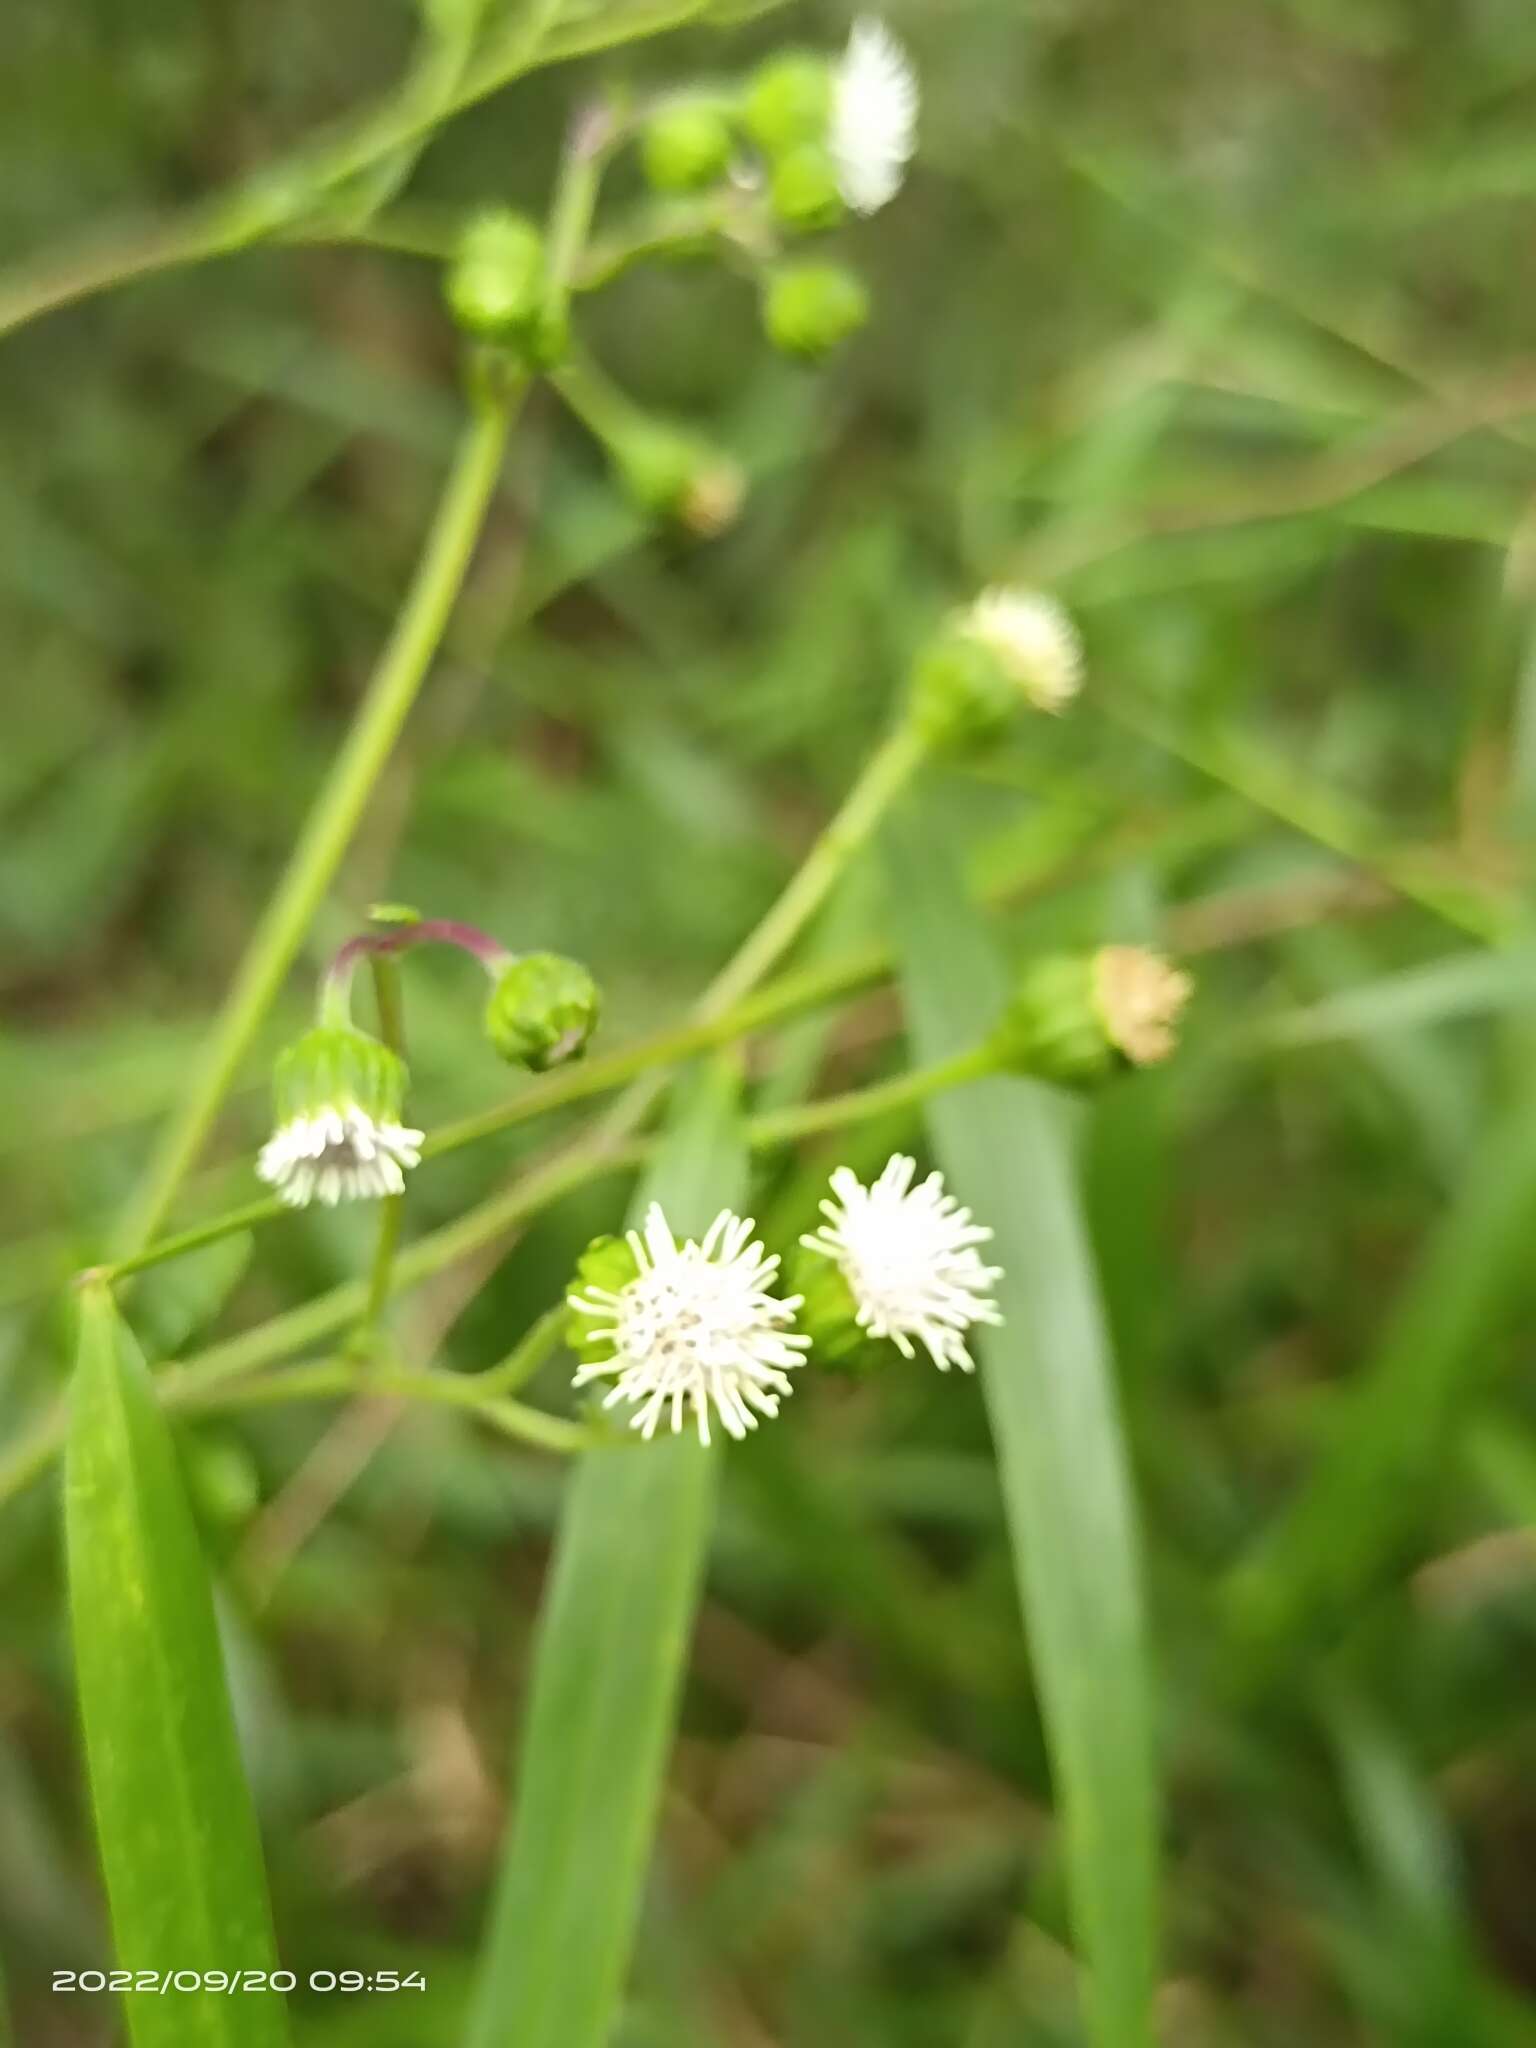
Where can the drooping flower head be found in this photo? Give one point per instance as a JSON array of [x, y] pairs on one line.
[[695, 1328], [337, 1097], [874, 116], [909, 1257]]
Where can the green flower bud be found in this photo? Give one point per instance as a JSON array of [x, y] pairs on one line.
[[789, 101], [685, 148], [1078, 1018], [336, 1067], [809, 308], [828, 1315], [609, 1265], [542, 1011], [803, 190], [1010, 649], [673, 475], [495, 283]]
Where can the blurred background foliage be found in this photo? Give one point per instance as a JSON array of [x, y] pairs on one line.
[[1215, 319]]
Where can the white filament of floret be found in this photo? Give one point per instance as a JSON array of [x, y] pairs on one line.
[[874, 116], [909, 1257], [695, 1330], [338, 1155]]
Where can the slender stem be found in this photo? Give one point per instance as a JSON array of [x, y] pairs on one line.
[[312, 866], [422, 931], [837, 1112], [885, 775], [228, 1225], [390, 998], [337, 1379], [525, 1358], [575, 199]]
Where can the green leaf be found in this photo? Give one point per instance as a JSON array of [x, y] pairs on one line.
[[177, 1833], [1047, 1378], [609, 1658]]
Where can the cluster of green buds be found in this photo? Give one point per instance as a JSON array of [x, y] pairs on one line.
[[338, 1092], [757, 164]]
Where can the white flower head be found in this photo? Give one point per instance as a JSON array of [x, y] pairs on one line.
[[874, 116], [695, 1329], [341, 1155], [1033, 639], [338, 1133], [909, 1257]]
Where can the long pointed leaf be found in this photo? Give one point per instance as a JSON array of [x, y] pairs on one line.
[[612, 1643], [1046, 1375], [177, 1833]]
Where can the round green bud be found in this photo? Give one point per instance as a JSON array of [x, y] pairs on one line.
[[607, 1265], [789, 101], [1078, 1018], [542, 1011], [495, 282], [803, 190], [828, 1315], [962, 695], [1052, 1026], [673, 475], [809, 308], [685, 148]]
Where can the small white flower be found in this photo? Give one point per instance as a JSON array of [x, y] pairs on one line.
[[340, 1155], [1034, 640], [909, 1257], [696, 1328], [874, 116]]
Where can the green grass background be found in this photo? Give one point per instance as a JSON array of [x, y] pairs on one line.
[[1218, 319]]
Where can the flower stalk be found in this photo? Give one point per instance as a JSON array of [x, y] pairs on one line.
[[333, 818]]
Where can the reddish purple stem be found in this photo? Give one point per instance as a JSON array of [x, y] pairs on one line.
[[431, 931]]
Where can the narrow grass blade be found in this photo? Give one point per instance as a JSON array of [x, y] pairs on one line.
[[1046, 1375], [177, 1833], [612, 1642], [1395, 1432]]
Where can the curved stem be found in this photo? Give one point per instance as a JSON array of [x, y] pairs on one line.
[[313, 863]]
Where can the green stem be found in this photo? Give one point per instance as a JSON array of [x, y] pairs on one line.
[[337, 1379], [575, 199], [524, 1359], [887, 1098], [886, 774], [389, 996], [312, 866]]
